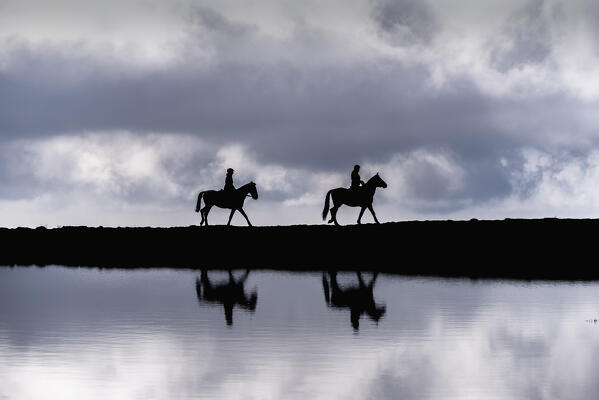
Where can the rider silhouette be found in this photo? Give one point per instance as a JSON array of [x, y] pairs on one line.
[[229, 180], [355, 178]]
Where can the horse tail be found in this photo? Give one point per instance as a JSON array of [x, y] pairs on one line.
[[199, 203], [325, 211]]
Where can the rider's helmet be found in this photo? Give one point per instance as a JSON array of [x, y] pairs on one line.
[[229, 170], [356, 167]]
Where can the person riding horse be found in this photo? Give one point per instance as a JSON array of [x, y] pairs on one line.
[[355, 196], [228, 197], [229, 181], [355, 178]]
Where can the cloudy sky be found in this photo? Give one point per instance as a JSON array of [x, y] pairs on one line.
[[119, 112]]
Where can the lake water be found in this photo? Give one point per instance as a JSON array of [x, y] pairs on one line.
[[69, 333]]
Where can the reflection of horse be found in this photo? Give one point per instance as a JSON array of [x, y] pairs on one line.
[[232, 199], [359, 299], [228, 294], [359, 197]]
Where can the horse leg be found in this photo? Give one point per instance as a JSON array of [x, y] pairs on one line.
[[334, 215], [203, 214], [373, 214], [360, 216], [231, 216], [334, 211], [246, 217], [360, 280], [205, 211]]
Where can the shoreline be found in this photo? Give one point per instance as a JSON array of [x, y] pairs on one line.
[[545, 249]]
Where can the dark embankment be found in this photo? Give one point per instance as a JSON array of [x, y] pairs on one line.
[[526, 249]]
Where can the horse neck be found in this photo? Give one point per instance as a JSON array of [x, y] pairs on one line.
[[370, 185], [245, 189]]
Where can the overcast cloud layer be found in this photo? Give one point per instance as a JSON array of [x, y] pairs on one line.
[[119, 113]]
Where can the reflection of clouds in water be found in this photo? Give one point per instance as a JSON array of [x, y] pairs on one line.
[[440, 338]]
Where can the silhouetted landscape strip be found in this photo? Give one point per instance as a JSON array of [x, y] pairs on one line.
[[511, 248]]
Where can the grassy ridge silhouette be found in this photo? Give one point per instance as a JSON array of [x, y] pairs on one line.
[[511, 248]]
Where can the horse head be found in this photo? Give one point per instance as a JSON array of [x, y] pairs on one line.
[[377, 181], [253, 191]]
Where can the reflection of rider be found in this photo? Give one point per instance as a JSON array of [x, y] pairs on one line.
[[229, 180], [355, 178]]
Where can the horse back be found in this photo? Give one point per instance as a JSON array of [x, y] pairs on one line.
[[352, 197], [223, 198], [210, 195]]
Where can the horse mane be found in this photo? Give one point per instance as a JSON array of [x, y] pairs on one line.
[[371, 178], [246, 185]]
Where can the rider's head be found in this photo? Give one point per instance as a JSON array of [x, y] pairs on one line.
[[357, 167], [229, 170]]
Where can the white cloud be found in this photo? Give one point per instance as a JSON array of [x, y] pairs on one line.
[[113, 164]]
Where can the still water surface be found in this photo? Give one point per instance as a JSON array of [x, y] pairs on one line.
[[68, 333]]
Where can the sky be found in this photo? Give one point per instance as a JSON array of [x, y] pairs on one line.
[[117, 113]]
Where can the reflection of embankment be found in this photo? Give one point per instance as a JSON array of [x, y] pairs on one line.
[[359, 299], [229, 293], [525, 249]]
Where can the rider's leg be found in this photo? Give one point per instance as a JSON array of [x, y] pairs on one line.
[[246, 217], [231, 216], [360, 216], [373, 214]]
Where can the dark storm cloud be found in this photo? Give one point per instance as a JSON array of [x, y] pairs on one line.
[[204, 20], [404, 22], [332, 107], [316, 118]]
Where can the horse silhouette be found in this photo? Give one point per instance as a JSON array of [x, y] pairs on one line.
[[359, 197], [359, 299], [229, 294], [232, 199]]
